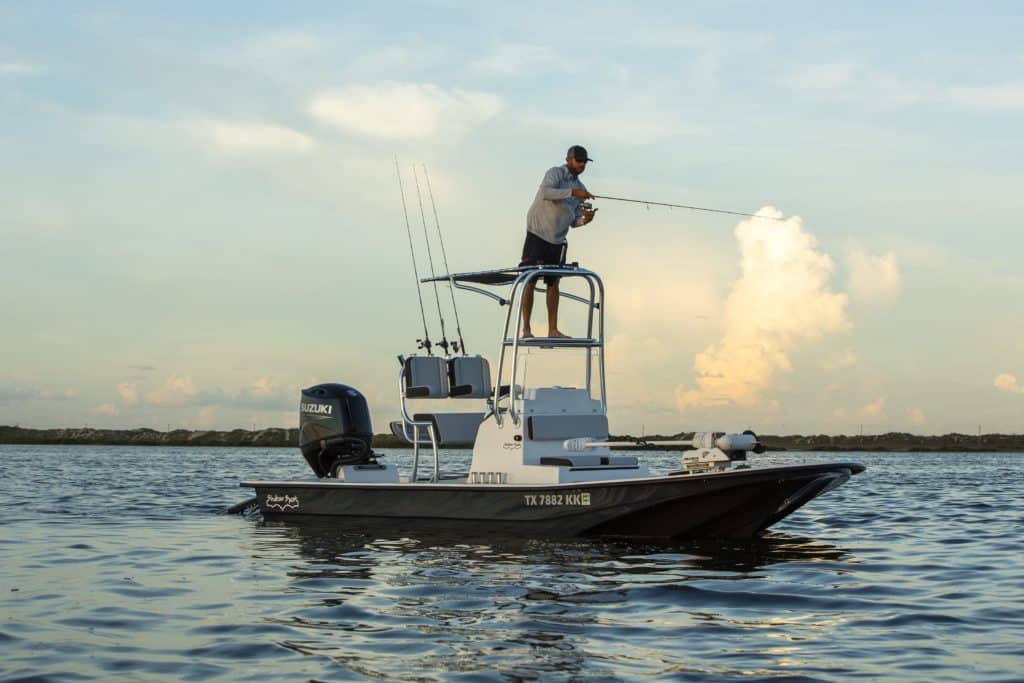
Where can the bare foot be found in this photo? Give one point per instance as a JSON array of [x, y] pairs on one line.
[[555, 334], [526, 335]]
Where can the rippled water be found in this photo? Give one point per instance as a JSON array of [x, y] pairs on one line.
[[114, 565]]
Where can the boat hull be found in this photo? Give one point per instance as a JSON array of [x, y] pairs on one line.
[[731, 504]]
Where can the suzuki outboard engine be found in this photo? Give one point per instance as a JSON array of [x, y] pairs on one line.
[[334, 428]]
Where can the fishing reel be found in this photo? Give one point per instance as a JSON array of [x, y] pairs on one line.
[[444, 344]]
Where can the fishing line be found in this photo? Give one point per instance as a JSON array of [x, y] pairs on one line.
[[685, 206], [444, 255], [430, 257], [425, 342]]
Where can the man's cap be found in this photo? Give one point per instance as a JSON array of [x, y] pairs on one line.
[[578, 152]]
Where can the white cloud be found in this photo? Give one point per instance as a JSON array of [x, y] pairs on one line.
[[821, 76], [15, 69], [870, 86], [391, 59], [206, 416], [57, 395], [283, 47], [873, 278], [639, 123], [1008, 382], [403, 110], [240, 137], [656, 311], [129, 393], [781, 298], [915, 416], [861, 87], [1001, 97], [841, 359], [108, 409], [176, 392], [921, 253], [262, 394], [263, 387], [874, 409], [514, 59], [9, 394], [699, 53]]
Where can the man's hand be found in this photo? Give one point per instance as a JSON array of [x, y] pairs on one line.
[[588, 216], [581, 194]]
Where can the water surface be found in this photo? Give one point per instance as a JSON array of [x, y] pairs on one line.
[[114, 565]]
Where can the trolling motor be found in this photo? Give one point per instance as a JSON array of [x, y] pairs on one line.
[[712, 451], [716, 451], [334, 428]]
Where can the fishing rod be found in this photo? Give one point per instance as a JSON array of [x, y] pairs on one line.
[[425, 342], [430, 257], [685, 206], [451, 290]]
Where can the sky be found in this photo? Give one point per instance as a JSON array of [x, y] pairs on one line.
[[200, 215]]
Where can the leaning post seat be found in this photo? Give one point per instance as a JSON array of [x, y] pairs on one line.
[[425, 377], [469, 377], [453, 429], [432, 377], [398, 430]]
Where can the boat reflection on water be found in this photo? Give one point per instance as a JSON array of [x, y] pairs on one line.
[[391, 602], [321, 542]]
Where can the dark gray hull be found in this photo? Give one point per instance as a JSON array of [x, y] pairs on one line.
[[733, 504]]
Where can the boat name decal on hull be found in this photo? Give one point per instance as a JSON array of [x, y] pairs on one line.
[[577, 498], [282, 502]]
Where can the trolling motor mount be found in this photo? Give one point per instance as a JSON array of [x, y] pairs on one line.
[[717, 451]]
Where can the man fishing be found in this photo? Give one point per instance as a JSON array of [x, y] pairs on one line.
[[556, 208]]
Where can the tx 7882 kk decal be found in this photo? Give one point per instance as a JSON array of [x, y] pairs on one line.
[[573, 498]]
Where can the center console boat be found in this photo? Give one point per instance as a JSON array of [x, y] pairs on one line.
[[542, 463]]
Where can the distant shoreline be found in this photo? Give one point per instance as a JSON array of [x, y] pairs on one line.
[[289, 438]]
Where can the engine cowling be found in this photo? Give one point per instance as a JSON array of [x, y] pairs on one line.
[[334, 428]]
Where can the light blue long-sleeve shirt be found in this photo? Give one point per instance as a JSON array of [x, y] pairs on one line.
[[554, 209]]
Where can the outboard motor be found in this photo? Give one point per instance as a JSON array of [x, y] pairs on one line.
[[334, 428]]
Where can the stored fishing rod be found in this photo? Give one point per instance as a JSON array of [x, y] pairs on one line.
[[451, 290], [685, 206], [430, 257], [425, 342]]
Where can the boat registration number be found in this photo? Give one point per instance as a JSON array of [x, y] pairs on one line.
[[577, 498]]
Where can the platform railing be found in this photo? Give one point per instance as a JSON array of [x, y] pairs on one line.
[[590, 342]]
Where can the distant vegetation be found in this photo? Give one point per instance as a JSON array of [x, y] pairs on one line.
[[150, 437], [890, 441], [279, 437]]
